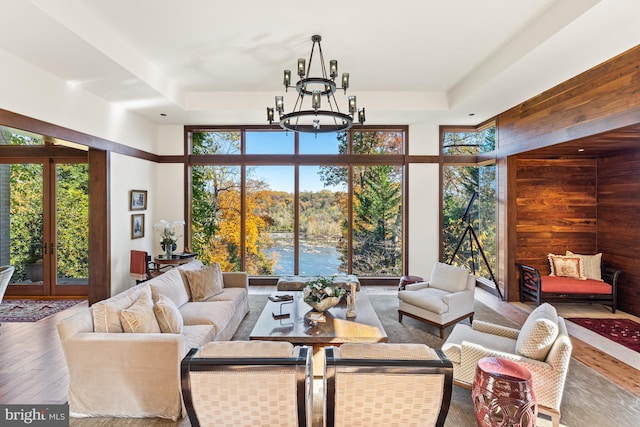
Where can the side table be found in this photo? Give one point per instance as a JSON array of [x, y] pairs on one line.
[[407, 280], [503, 395]]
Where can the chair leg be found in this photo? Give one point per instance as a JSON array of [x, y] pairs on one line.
[[399, 316], [554, 414], [441, 333]]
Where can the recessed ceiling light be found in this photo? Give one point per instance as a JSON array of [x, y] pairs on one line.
[[163, 114], [580, 150], [472, 114]]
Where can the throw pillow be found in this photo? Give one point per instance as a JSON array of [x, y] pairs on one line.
[[448, 277], [591, 265], [168, 315], [205, 282], [139, 317], [538, 333], [565, 266], [106, 313]]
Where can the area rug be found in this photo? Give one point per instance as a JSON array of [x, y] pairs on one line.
[[625, 332], [589, 398], [30, 310]]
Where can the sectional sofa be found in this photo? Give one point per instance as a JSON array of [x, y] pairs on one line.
[[124, 361]]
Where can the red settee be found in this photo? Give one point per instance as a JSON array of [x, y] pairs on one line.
[[554, 289]]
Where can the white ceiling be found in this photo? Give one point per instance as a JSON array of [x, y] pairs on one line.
[[214, 62]]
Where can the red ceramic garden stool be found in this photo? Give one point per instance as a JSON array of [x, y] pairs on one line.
[[503, 394], [407, 280]]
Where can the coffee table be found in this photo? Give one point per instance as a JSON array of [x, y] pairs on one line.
[[336, 330]]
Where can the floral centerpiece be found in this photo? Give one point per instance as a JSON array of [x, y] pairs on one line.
[[168, 236], [322, 293]]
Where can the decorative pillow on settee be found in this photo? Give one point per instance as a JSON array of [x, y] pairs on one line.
[[591, 265], [566, 266]]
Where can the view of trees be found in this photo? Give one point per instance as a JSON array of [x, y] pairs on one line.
[[459, 185], [377, 208], [26, 210]]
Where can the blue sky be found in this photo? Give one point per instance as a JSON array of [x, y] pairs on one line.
[[281, 178]]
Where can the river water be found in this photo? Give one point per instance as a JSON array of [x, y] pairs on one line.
[[317, 257]]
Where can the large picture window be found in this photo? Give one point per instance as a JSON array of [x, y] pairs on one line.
[[279, 203]]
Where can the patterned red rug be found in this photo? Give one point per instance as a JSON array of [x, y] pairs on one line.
[[625, 332], [31, 310]]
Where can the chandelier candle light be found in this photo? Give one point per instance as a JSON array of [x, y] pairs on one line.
[[316, 88], [168, 237]]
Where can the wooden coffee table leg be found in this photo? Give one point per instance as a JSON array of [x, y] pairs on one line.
[[318, 360]]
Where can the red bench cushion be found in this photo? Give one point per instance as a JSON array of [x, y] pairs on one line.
[[555, 284]]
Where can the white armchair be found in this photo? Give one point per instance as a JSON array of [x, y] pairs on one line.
[[542, 346], [444, 300]]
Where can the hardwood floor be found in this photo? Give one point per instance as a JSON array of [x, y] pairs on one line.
[[33, 370]]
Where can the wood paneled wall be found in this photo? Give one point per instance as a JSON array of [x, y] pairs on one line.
[[556, 205], [618, 223], [600, 100]]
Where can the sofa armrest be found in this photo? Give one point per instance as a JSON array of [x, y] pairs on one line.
[[416, 286], [235, 279], [493, 329], [124, 374]]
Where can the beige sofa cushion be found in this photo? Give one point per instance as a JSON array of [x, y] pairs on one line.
[[168, 315], [217, 313], [205, 282], [106, 314], [171, 285], [448, 277], [538, 333], [139, 317]]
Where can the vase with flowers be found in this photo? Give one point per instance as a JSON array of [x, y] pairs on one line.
[[168, 236], [322, 294]]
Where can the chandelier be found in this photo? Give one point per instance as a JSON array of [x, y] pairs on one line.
[[316, 88]]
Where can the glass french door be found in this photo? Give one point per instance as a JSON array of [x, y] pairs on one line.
[[44, 226]]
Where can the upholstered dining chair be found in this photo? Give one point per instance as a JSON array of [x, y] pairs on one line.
[[386, 384], [6, 271], [256, 383], [142, 268], [542, 345], [447, 297]]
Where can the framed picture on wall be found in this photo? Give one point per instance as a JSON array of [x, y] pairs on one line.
[[138, 200], [137, 226]]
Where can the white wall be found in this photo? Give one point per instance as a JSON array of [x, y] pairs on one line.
[[424, 206], [424, 216], [32, 92], [129, 173]]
